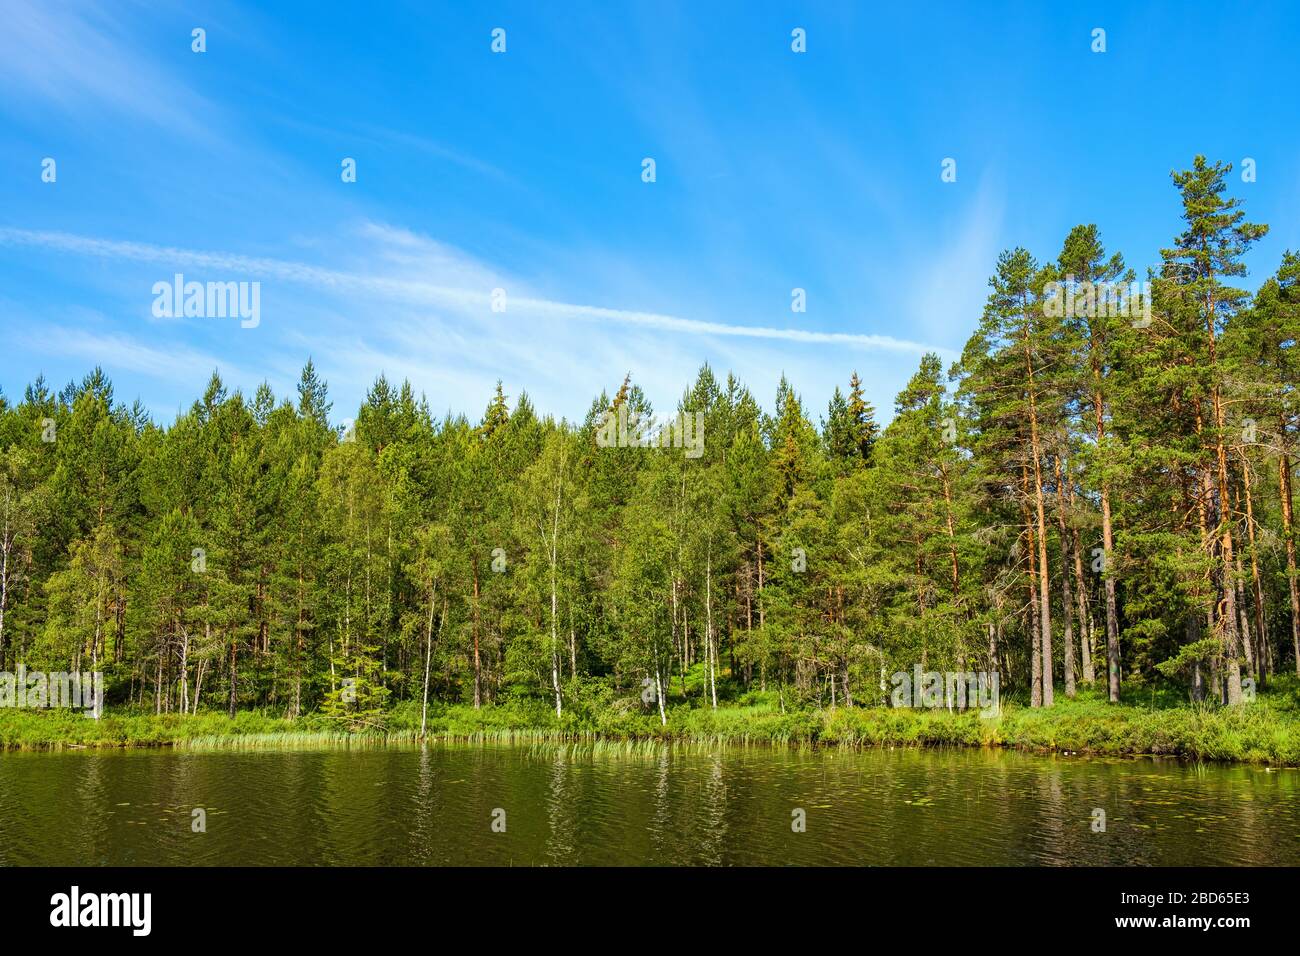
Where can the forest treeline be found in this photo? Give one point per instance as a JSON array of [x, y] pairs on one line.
[[1083, 497]]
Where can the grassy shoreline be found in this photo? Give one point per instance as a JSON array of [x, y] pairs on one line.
[[1264, 732]]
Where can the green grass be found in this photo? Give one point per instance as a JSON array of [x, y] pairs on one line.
[[1265, 731]]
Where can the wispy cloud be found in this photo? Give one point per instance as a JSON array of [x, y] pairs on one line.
[[80, 59], [117, 351], [951, 282], [425, 253]]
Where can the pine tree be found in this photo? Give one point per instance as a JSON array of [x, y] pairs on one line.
[[1206, 253], [1083, 264], [1007, 365]]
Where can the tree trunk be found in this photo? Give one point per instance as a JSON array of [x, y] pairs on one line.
[[1288, 535], [1067, 599], [478, 681], [233, 683], [1260, 666], [1085, 616], [555, 609], [709, 649], [1036, 646], [428, 656], [1044, 582], [1107, 530]]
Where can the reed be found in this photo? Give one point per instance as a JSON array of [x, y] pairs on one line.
[[1266, 731]]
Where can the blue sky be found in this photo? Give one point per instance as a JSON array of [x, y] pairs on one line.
[[522, 171]]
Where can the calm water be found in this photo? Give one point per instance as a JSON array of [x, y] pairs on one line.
[[434, 806]]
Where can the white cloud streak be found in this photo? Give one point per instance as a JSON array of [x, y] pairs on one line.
[[417, 292], [83, 59]]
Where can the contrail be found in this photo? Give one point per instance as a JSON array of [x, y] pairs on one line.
[[429, 293]]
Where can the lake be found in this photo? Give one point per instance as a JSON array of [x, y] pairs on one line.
[[437, 805]]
